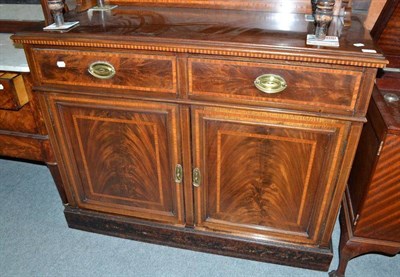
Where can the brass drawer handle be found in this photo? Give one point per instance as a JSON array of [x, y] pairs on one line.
[[102, 70], [391, 97], [270, 83]]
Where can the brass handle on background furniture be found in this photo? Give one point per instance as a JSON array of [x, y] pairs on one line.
[[270, 83], [391, 97], [101, 70], [196, 177], [178, 174]]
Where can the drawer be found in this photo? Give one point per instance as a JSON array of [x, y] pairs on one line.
[[23, 147], [307, 88], [13, 94], [22, 120], [117, 70]]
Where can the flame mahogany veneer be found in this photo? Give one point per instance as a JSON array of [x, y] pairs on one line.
[[273, 166]]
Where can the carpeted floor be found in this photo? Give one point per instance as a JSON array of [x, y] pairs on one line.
[[35, 241]]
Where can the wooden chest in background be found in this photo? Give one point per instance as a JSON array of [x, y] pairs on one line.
[[23, 134], [370, 217], [22, 131]]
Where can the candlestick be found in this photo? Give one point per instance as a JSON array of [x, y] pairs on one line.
[[323, 17]]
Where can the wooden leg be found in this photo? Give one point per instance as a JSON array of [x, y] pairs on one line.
[[345, 249], [345, 255], [53, 167], [351, 246], [54, 170]]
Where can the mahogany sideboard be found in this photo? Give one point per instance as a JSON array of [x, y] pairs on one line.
[[162, 136]]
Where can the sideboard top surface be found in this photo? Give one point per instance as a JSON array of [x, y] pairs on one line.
[[208, 31], [299, 6]]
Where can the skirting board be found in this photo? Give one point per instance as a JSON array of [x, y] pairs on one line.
[[188, 238]]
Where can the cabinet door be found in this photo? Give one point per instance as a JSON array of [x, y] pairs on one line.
[[379, 216], [120, 156], [265, 175]]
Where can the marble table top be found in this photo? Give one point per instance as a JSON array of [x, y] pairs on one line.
[[12, 57]]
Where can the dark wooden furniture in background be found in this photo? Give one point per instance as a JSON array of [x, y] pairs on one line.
[[370, 216], [386, 33], [22, 130], [162, 136], [11, 26], [23, 134]]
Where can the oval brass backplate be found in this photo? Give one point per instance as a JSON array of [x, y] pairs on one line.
[[196, 177], [178, 174], [270, 83], [101, 70]]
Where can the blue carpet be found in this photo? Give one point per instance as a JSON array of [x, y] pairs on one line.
[[35, 241]]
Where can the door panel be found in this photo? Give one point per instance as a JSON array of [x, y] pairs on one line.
[[380, 215], [264, 173], [125, 154]]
